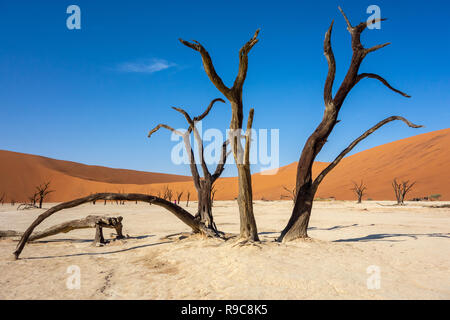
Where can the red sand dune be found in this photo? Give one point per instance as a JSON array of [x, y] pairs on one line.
[[423, 158]]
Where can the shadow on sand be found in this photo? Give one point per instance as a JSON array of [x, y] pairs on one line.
[[383, 236], [101, 253]]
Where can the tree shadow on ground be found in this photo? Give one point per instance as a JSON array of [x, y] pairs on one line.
[[336, 227], [98, 253], [383, 236], [90, 240]]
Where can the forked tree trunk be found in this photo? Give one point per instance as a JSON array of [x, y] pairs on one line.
[[234, 95], [202, 185], [306, 188]]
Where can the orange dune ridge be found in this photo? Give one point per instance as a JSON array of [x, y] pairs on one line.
[[424, 158]]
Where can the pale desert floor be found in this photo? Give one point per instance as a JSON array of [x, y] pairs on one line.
[[410, 245]]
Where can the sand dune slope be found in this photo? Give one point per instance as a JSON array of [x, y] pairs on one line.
[[423, 158]]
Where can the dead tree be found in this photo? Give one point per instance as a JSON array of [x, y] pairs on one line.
[[168, 194], [196, 225], [203, 185], [97, 222], [179, 194], [2, 198], [188, 195], [401, 189], [33, 199], [306, 186], [359, 189], [248, 229], [42, 192], [292, 193]]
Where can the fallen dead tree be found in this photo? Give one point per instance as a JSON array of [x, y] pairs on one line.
[[97, 222], [180, 213]]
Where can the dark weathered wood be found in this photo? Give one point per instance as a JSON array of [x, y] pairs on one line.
[[359, 189], [179, 212], [292, 193], [234, 95], [90, 221], [42, 192], [187, 200], [401, 189], [179, 195], [202, 185], [305, 186]]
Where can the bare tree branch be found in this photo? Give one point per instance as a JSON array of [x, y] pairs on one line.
[[223, 159], [328, 51], [199, 140], [248, 137], [208, 66], [375, 48], [206, 112], [375, 76], [349, 26], [325, 171], [159, 126], [243, 61]]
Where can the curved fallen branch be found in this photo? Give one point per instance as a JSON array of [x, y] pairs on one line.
[[179, 212], [90, 221]]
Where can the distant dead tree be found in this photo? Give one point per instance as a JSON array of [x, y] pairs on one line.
[[13, 202], [292, 193], [31, 204], [188, 195], [307, 187], [179, 194], [2, 198], [401, 189], [248, 229], [43, 191], [168, 194], [359, 189], [203, 184]]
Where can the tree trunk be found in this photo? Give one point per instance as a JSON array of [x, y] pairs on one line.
[[205, 205], [248, 229], [297, 227]]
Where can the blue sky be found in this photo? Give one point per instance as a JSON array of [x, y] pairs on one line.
[[91, 95]]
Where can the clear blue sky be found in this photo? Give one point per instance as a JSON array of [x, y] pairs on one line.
[[91, 95]]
